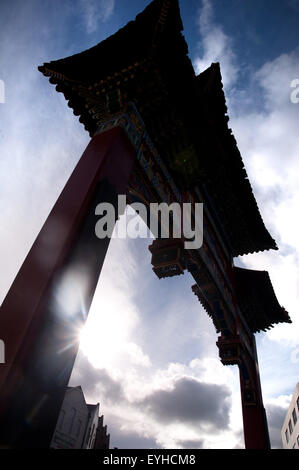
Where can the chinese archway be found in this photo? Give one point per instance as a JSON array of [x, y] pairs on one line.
[[159, 133]]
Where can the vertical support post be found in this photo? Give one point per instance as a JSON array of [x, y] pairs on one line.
[[45, 307], [256, 434], [255, 427]]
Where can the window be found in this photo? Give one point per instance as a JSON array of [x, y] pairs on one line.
[[290, 427], [294, 414], [298, 403], [287, 436]]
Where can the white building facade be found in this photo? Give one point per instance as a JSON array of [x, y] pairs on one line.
[[290, 428], [78, 423]]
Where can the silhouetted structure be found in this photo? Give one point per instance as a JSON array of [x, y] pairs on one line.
[[159, 133], [79, 425], [290, 427], [102, 440]]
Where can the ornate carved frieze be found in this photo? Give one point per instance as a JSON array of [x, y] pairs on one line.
[[151, 181], [168, 257]]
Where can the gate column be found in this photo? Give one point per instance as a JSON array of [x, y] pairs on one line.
[[41, 316], [256, 433]]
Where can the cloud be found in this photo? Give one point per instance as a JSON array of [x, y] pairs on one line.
[[168, 408], [216, 47], [95, 11], [192, 402], [269, 142], [97, 383], [190, 444], [37, 153], [275, 415], [110, 338]]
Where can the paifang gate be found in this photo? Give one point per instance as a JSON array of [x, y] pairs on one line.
[[159, 133]]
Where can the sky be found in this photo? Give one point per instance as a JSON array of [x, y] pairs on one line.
[[148, 350]]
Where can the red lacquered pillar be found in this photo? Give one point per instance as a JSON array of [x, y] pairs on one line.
[[256, 434], [45, 307]]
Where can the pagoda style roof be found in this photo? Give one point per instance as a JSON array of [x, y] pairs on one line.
[[132, 43], [226, 178], [257, 300], [147, 62]]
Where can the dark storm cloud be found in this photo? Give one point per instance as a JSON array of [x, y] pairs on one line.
[[276, 415], [95, 382], [191, 444], [191, 402]]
